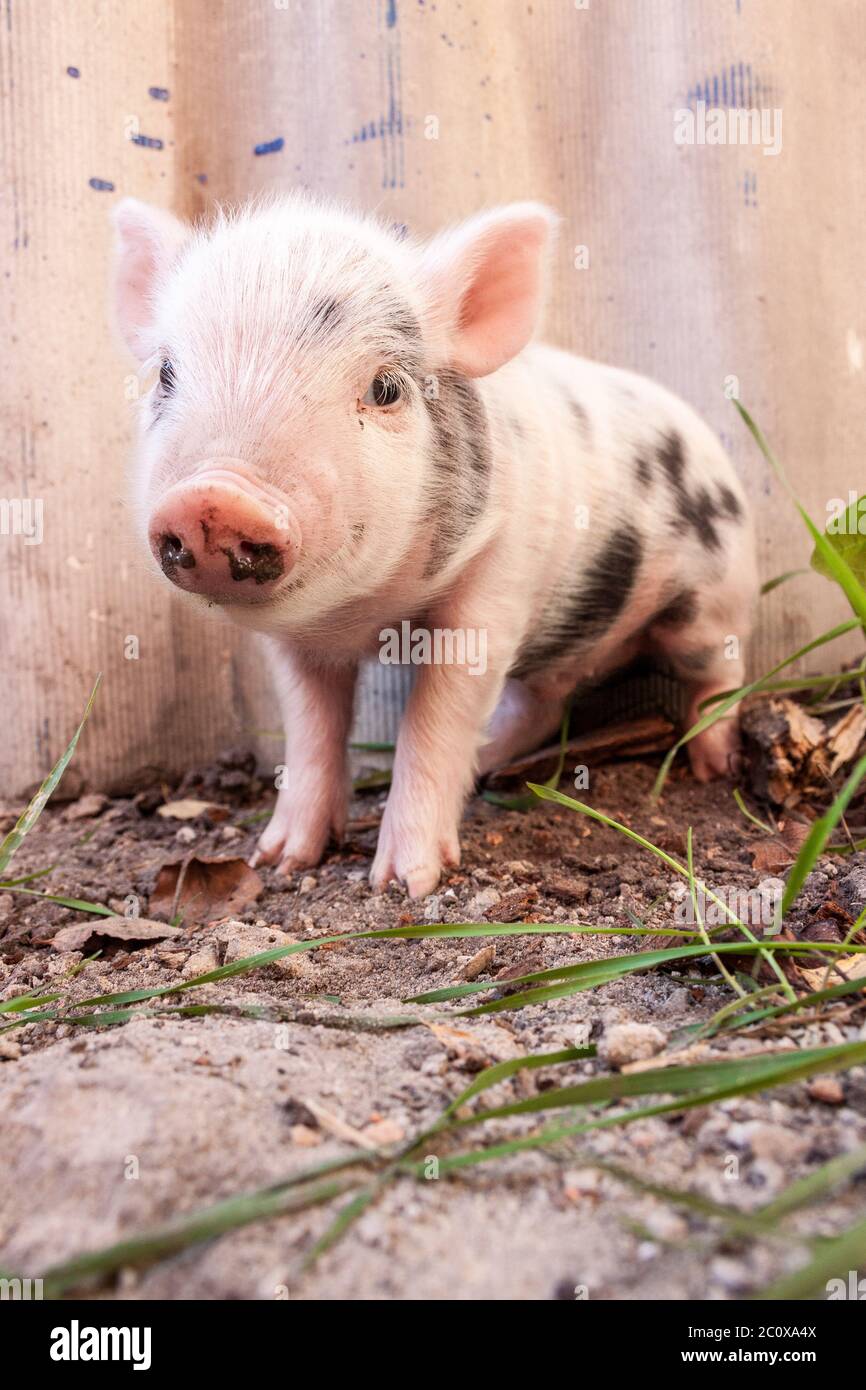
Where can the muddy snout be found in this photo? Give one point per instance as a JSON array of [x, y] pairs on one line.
[[224, 536]]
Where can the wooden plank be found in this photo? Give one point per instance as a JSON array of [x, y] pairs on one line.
[[704, 262]]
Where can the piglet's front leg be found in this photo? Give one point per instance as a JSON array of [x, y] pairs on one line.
[[316, 705], [434, 770]]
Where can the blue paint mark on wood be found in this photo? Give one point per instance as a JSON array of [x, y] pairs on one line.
[[73, 72], [750, 189], [150, 142], [388, 130], [101, 185], [736, 87], [270, 146], [158, 93]]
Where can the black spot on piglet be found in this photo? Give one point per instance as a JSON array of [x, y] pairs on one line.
[[696, 507], [596, 603], [682, 609]]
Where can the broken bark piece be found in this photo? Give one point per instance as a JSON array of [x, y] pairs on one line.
[[513, 906], [633, 738], [845, 737], [567, 890], [791, 755]]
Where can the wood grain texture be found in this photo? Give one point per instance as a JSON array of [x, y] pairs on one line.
[[704, 262]]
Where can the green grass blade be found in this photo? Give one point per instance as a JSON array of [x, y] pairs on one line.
[[78, 904], [739, 1076], [345, 1217], [583, 975], [203, 1225], [807, 1001], [438, 930], [822, 1062], [837, 568], [771, 584], [549, 794], [500, 1071], [818, 835], [26, 1001], [26, 878], [815, 1185], [741, 805], [835, 1259], [30, 816]]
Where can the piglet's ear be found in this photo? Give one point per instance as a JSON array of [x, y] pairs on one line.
[[483, 282], [147, 240]]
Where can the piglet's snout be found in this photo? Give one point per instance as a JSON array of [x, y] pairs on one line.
[[222, 535]]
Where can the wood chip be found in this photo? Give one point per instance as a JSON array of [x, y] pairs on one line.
[[481, 961], [188, 808], [568, 890], [339, 1128]]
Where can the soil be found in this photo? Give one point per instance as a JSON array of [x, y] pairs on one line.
[[109, 1132]]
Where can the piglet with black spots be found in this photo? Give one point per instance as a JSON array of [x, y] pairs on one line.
[[349, 431]]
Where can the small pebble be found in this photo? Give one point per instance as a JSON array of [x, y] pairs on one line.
[[630, 1042], [827, 1090]]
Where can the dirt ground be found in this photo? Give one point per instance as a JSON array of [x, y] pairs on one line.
[[108, 1132]]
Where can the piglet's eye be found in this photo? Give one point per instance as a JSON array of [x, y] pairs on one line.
[[383, 390], [166, 377]]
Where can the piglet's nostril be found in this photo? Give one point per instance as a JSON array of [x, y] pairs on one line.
[[255, 560], [173, 554]]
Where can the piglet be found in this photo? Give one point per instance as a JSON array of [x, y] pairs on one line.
[[351, 435]]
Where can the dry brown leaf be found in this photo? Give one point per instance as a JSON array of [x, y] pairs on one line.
[[852, 967], [793, 833], [204, 890], [770, 856], [127, 929]]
